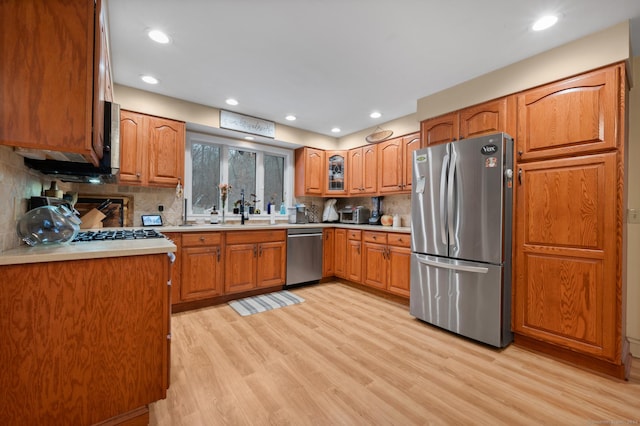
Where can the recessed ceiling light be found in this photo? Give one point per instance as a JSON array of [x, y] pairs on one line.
[[149, 79], [336, 130], [290, 117], [249, 138], [158, 36], [231, 101], [375, 114], [544, 23]]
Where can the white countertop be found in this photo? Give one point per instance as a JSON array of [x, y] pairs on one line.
[[85, 250], [249, 226]]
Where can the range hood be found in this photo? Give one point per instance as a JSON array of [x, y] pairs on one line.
[[73, 168]]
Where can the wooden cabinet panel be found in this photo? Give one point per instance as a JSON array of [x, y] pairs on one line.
[[91, 336], [151, 150], [566, 289], [271, 269], [386, 261], [202, 272], [362, 166], [201, 239], [52, 85], [576, 115], [328, 248], [309, 171], [410, 143], [176, 270], [396, 163], [354, 260], [489, 117], [241, 267], [375, 265], [399, 270], [340, 248], [356, 166], [337, 176], [439, 130], [400, 240]]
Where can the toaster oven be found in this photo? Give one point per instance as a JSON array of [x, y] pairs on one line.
[[354, 215]]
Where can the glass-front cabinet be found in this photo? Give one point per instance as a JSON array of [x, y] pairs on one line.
[[336, 162]]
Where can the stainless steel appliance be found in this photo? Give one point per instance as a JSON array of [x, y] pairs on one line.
[[117, 234], [304, 255], [76, 169], [356, 215], [376, 211], [461, 218]]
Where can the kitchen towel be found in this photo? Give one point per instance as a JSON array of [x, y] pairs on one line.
[[264, 302]]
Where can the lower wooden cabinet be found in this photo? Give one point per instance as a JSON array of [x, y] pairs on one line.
[[354, 255], [254, 259], [328, 256], [340, 253], [386, 261], [201, 262]]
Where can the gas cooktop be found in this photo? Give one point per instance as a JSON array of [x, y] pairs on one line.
[[117, 234]]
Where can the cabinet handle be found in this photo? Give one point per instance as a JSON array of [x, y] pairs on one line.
[[218, 252], [520, 176], [374, 237], [358, 249], [260, 252], [255, 251], [520, 153], [138, 174], [202, 239]]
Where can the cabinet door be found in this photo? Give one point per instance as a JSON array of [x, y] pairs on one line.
[[566, 290], [390, 171], [577, 115], [337, 173], [165, 145], [489, 117], [340, 251], [439, 130], [399, 269], [271, 264], [356, 167], [47, 76], [309, 169], [241, 262], [374, 265], [369, 169], [354, 260], [410, 143], [328, 248], [131, 148], [202, 273]]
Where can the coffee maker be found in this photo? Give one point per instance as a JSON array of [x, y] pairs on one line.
[[376, 211]]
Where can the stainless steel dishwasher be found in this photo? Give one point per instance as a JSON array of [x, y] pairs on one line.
[[304, 255]]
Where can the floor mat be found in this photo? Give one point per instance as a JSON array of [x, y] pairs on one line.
[[264, 302]]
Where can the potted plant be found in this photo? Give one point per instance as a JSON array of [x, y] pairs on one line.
[[236, 206]]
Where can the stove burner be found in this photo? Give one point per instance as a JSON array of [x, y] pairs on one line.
[[118, 234]]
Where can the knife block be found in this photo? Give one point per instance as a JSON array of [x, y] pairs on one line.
[[92, 219]]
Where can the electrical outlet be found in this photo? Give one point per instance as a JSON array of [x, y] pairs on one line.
[[160, 208], [633, 215]]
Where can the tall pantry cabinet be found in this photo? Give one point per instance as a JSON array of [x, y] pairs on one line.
[[569, 177]]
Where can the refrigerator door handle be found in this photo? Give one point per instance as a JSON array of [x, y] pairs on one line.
[[450, 188], [465, 268], [443, 190]]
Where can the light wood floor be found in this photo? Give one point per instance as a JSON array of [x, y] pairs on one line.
[[346, 357]]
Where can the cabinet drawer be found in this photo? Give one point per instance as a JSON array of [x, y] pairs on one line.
[[353, 234], [245, 237], [201, 239], [375, 237], [400, 240]]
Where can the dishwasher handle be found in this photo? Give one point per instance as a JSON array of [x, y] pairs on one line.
[[303, 235]]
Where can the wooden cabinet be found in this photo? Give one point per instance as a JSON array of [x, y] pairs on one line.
[[53, 78], [488, 117], [386, 261], [568, 292], [354, 255], [254, 259], [202, 266], [337, 173], [328, 248], [309, 171], [573, 116], [152, 150], [340, 251], [84, 341], [395, 163], [363, 170]]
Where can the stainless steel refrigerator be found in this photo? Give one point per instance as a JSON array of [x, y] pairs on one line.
[[461, 217]]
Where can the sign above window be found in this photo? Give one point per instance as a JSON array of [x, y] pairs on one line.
[[244, 123]]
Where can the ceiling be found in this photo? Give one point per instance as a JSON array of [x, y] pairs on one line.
[[333, 62]]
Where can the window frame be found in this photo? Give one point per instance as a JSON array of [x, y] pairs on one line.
[[259, 149]]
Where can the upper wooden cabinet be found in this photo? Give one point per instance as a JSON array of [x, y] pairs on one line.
[[363, 171], [488, 117], [337, 173], [572, 116], [395, 163], [151, 150], [54, 76], [309, 171]]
